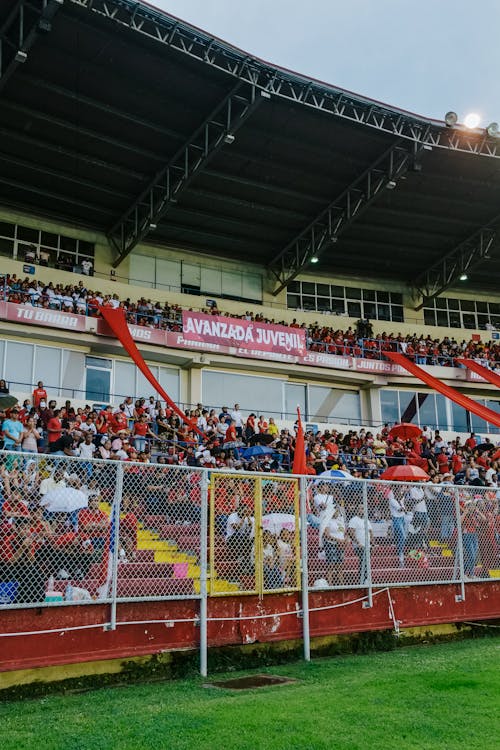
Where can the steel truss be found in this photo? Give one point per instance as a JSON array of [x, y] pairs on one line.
[[169, 183], [287, 85], [325, 230], [19, 32], [466, 256]]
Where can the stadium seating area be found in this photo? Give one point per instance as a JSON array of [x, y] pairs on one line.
[[81, 300]]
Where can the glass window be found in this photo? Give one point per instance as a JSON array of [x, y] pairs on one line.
[[338, 306], [68, 244], [97, 385], [427, 410], [337, 291], [396, 298], [124, 380], [323, 303], [293, 301], [482, 307], [383, 312], [308, 303], [48, 367], [169, 381], [294, 286], [482, 320], [397, 314], [19, 366], [351, 293], [354, 309], [369, 295], [323, 290], [308, 287], [389, 406], [469, 320], [98, 362], [407, 406], [442, 415], [85, 248], [453, 304], [460, 421], [441, 303], [73, 370], [429, 317], [467, 305], [494, 308], [382, 296], [370, 310], [295, 395], [6, 229], [455, 321], [6, 246], [49, 239], [442, 318], [251, 393], [28, 235]]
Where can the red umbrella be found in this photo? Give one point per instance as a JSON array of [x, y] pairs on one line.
[[406, 431], [405, 474]]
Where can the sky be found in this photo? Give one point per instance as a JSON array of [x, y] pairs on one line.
[[427, 57]]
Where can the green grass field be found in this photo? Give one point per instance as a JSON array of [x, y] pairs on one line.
[[440, 696]]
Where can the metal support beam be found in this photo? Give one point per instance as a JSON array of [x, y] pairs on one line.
[[27, 20], [472, 252], [170, 32], [170, 182], [324, 231]]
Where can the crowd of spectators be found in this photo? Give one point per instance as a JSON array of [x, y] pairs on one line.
[[145, 430], [355, 342]]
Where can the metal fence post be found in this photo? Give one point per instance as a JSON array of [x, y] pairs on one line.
[[460, 548], [203, 573], [304, 568], [115, 541], [367, 551]]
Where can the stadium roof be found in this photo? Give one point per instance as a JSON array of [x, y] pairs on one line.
[[117, 116]]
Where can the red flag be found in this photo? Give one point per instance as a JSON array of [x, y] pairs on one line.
[[115, 318], [299, 457]]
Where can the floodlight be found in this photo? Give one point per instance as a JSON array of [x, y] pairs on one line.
[[152, 225], [314, 259], [451, 119], [21, 56], [463, 277], [391, 185], [472, 120], [229, 138], [492, 129]]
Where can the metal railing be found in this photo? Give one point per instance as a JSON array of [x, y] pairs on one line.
[[78, 532]]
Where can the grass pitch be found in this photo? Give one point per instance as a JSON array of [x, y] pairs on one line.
[[416, 698]]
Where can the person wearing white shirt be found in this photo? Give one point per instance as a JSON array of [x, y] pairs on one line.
[[237, 417], [361, 533], [398, 515]]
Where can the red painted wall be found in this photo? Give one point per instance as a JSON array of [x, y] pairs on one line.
[[413, 606]]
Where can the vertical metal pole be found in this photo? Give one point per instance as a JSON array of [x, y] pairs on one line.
[[305, 568], [367, 553], [203, 573], [115, 520], [460, 546]]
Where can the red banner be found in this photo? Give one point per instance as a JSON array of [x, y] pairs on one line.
[[42, 316], [246, 335]]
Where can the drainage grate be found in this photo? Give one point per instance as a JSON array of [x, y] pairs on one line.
[[252, 682]]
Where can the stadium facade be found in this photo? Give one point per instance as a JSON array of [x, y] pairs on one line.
[[146, 159]]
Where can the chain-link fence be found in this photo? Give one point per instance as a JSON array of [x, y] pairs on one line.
[[77, 531]]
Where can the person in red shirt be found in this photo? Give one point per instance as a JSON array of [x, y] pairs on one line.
[[442, 462], [118, 422], [39, 394], [93, 524], [141, 431], [54, 427]]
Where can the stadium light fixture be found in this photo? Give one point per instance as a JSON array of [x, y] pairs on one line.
[[451, 119], [472, 120], [152, 226], [314, 259], [391, 185], [492, 129], [229, 139], [463, 277], [21, 56]]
